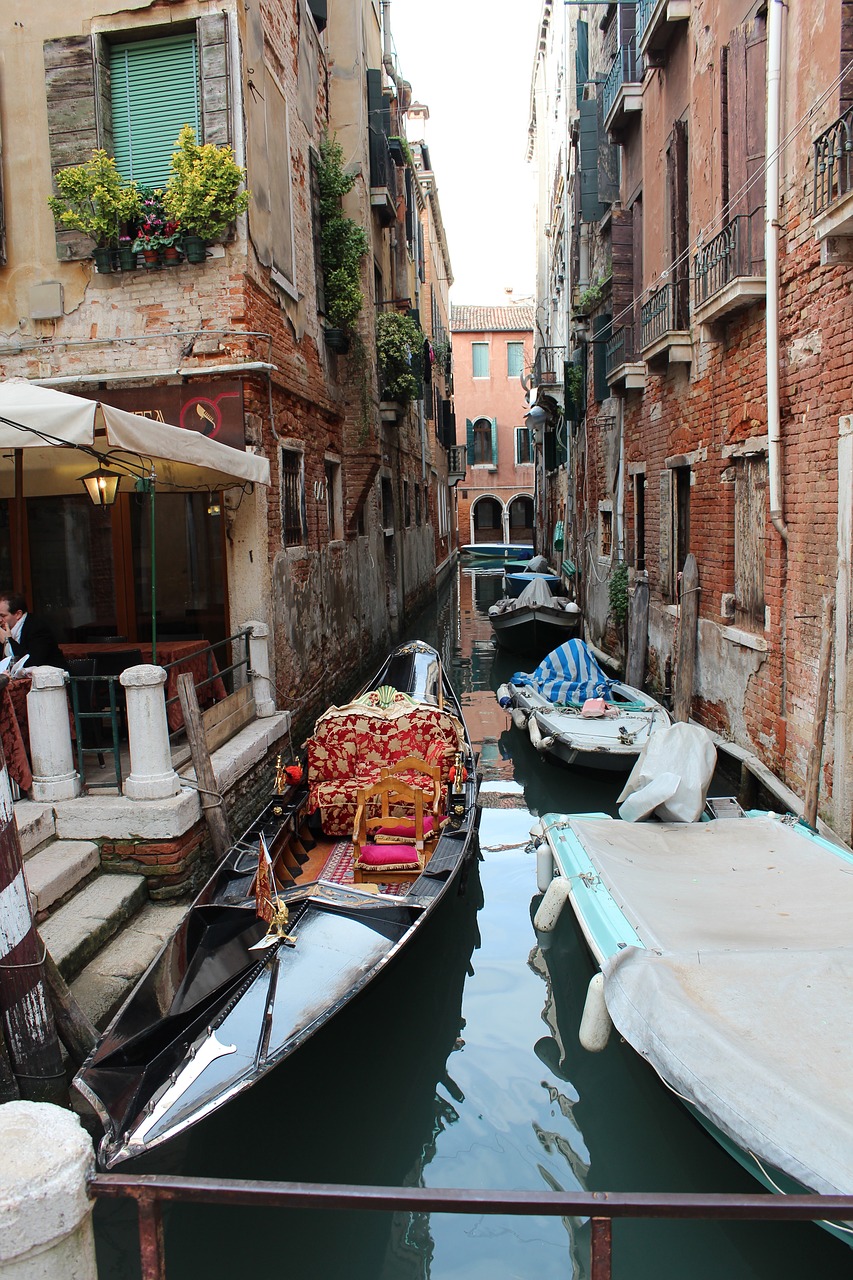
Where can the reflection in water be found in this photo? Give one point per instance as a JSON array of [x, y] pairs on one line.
[[462, 1068]]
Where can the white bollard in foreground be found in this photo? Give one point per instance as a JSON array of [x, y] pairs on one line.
[[45, 1212]]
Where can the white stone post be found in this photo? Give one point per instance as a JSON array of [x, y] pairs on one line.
[[45, 1212], [259, 662], [151, 774], [54, 774]]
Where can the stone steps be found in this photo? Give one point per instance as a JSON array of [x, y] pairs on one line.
[[58, 868], [82, 926]]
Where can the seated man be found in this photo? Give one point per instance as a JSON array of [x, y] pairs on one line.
[[23, 634]]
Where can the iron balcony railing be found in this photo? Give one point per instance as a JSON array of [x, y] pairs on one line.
[[833, 173], [548, 365], [457, 461], [645, 8], [623, 71], [619, 348], [665, 311], [152, 1191], [383, 170], [737, 251]]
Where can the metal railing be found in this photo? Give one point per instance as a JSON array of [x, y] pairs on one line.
[[731, 254], [645, 8], [619, 348], [151, 1191], [383, 170], [236, 651], [833, 172], [623, 71], [663, 312], [548, 365], [457, 461]]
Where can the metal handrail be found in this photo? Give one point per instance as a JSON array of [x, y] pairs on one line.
[[214, 671], [727, 257], [833, 165], [622, 71], [151, 1191], [548, 365], [383, 170], [619, 348], [661, 313], [645, 8]]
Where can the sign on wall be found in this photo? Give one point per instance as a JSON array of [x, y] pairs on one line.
[[215, 409]]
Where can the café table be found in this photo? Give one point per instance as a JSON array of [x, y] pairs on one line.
[[15, 731], [178, 657]]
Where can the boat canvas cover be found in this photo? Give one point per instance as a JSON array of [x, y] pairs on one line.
[[740, 1001], [568, 674]]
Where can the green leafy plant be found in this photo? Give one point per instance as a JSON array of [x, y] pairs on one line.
[[399, 353], [575, 386], [618, 593], [94, 199], [343, 243], [590, 297], [203, 192], [403, 144]]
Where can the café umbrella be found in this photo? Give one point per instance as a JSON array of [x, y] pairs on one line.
[[51, 442]]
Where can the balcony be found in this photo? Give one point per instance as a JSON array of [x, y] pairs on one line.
[[457, 463], [833, 182], [383, 178], [729, 270], [624, 370], [656, 21], [623, 90], [665, 332], [548, 372]]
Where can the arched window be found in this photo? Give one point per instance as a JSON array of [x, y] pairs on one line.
[[483, 442]]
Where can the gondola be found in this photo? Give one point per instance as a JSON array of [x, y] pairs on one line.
[[262, 961]]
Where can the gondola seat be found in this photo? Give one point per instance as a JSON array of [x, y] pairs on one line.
[[377, 859]]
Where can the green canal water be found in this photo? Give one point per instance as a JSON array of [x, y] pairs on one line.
[[461, 1068]]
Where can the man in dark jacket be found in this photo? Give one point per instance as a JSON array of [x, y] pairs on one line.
[[23, 634]]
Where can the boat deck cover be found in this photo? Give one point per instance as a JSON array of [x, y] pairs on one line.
[[741, 1001]]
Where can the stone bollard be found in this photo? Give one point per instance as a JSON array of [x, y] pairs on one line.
[[151, 774], [259, 661], [54, 774], [45, 1211]]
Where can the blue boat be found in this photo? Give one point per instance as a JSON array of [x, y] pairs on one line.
[[498, 551], [725, 961], [517, 581]]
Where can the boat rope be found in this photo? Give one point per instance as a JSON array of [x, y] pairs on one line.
[[836, 1226]]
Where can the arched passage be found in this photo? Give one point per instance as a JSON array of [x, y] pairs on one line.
[[520, 518], [487, 520]]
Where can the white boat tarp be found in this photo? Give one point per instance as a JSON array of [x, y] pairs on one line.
[[741, 1000], [671, 776], [63, 437]]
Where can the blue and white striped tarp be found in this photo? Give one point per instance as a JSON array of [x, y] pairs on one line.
[[569, 674]]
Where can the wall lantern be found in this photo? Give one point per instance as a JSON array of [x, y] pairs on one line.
[[101, 486], [536, 419]]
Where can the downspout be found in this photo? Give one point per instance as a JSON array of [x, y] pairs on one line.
[[771, 258]]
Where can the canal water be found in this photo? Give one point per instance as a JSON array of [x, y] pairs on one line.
[[461, 1068]]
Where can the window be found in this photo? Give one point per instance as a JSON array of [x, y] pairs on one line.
[[387, 506], [750, 522], [639, 521], [407, 509], [674, 526], [605, 532], [480, 359], [523, 445], [417, 504], [334, 499], [514, 359], [484, 451], [292, 498], [154, 93]]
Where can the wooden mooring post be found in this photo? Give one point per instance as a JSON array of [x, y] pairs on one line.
[[685, 659], [819, 724], [212, 803], [638, 636], [30, 1033]]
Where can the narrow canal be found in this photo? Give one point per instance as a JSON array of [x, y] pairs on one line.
[[462, 1068]]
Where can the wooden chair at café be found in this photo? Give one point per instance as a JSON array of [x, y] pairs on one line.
[[395, 845]]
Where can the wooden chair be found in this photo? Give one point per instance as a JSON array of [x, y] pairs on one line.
[[393, 847], [417, 764]]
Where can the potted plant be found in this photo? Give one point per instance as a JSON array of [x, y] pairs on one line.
[[126, 253], [203, 192], [343, 245], [399, 353], [149, 233], [94, 199]]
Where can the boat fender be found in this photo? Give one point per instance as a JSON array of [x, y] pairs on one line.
[[519, 718], [504, 696], [548, 912], [544, 865], [596, 1023], [542, 742]]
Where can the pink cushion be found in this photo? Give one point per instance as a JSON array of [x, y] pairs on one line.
[[403, 829], [385, 857]]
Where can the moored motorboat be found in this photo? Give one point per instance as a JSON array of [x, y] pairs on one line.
[[261, 961], [725, 962], [497, 551], [580, 716], [517, 580], [536, 621]]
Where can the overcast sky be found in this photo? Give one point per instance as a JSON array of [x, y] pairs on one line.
[[470, 62]]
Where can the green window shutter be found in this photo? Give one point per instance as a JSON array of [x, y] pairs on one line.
[[581, 61], [469, 437], [549, 449], [561, 451], [600, 334], [494, 422], [480, 359], [514, 359], [591, 207], [155, 92]]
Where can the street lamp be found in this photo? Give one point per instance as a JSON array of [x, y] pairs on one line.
[[536, 419], [101, 486]]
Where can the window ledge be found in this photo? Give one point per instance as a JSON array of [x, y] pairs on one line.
[[746, 639]]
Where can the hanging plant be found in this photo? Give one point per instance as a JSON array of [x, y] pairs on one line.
[[343, 243], [618, 592], [399, 353]]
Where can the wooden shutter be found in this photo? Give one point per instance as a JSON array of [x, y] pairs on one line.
[[745, 118], [71, 90], [608, 160], [637, 238], [314, 179], [750, 504], [155, 92], [622, 242], [549, 450], [494, 423], [667, 578], [215, 75], [846, 94], [581, 60], [469, 438], [677, 194], [591, 207], [600, 335], [2, 210]]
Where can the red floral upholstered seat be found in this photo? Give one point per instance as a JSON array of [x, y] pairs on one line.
[[351, 747]]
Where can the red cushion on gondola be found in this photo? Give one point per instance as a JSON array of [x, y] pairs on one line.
[[387, 857], [403, 829]]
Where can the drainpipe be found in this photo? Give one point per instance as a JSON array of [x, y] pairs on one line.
[[771, 258]]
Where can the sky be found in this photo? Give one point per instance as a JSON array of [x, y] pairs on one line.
[[470, 62]]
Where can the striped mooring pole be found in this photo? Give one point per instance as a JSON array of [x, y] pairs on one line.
[[28, 1027]]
